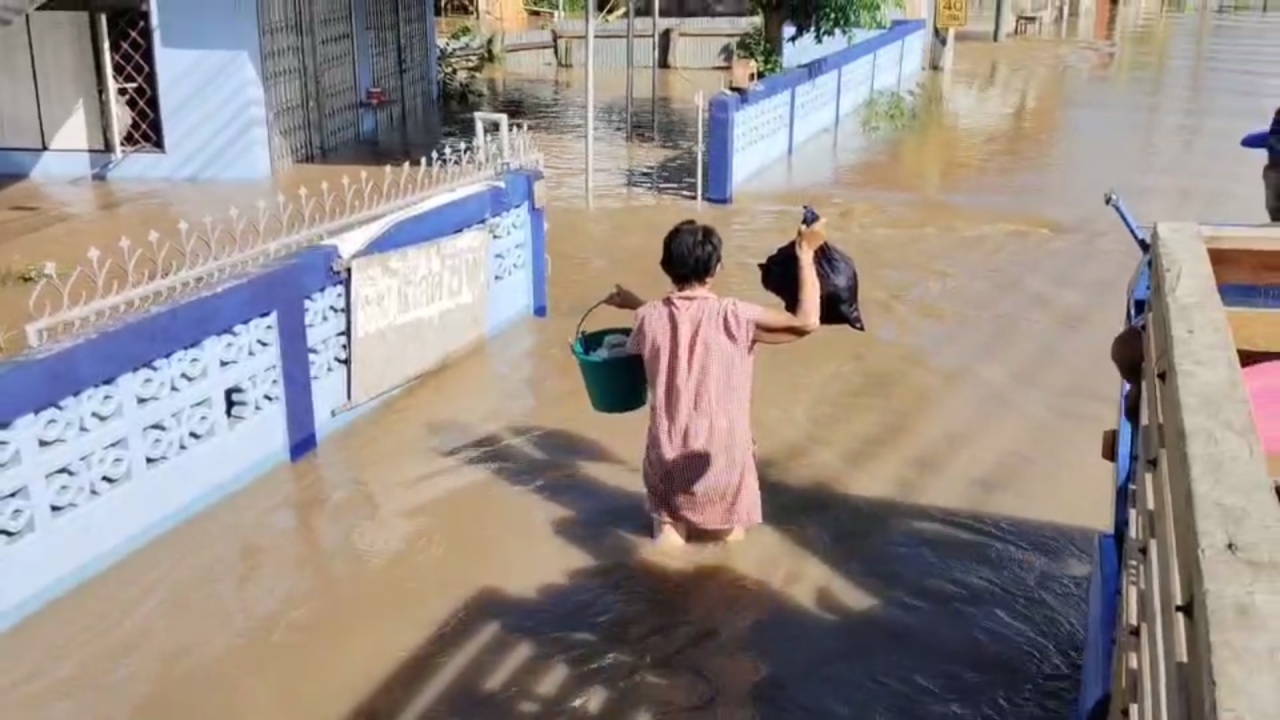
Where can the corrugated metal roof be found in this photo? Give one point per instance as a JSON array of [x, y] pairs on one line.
[[11, 10]]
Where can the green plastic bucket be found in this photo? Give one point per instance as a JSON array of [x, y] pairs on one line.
[[614, 384]]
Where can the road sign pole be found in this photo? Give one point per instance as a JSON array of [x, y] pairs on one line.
[[947, 15]]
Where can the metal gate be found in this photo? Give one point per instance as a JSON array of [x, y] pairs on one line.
[[399, 46], [384, 45], [335, 53], [285, 36], [309, 73], [413, 43]]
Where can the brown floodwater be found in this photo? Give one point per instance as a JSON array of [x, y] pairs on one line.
[[474, 548]]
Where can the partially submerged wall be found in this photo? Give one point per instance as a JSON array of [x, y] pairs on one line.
[[108, 441]]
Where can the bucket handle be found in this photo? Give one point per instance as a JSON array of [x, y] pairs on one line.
[[578, 333]]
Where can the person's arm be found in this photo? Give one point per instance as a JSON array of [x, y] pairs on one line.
[[778, 327], [777, 337], [623, 299]]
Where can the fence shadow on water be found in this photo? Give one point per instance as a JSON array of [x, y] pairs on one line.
[[675, 176], [973, 617]]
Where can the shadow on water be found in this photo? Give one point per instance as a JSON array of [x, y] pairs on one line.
[[972, 616], [675, 176]]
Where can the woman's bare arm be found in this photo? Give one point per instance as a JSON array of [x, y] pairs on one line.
[[776, 337]]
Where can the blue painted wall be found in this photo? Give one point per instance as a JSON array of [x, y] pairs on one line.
[[108, 442], [212, 106], [748, 132]]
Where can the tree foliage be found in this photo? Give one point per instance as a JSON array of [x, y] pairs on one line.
[[820, 18], [825, 18]]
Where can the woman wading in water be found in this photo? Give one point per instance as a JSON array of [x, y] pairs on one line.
[[699, 352]]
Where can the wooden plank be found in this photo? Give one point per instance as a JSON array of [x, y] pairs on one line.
[[1255, 330], [1166, 536], [1195, 669], [1234, 266], [1152, 606], [1265, 236], [1218, 465]]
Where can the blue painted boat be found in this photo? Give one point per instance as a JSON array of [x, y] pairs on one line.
[[1101, 673], [1104, 580]]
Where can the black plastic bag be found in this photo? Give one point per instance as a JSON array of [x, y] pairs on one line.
[[837, 277]]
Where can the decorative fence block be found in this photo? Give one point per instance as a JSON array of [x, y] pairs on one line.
[[327, 350], [756, 128], [82, 477], [511, 288], [746, 133]]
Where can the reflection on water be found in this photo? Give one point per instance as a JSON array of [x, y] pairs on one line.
[[472, 550]]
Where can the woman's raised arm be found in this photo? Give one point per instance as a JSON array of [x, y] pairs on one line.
[[777, 327]]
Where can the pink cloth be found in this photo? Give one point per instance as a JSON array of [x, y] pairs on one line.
[[1262, 382], [699, 462]]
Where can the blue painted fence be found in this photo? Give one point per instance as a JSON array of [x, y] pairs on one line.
[[108, 442], [745, 133]]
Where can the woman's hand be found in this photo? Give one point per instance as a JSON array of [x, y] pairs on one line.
[[811, 237], [623, 299]]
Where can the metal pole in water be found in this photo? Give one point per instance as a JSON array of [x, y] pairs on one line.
[[591, 95], [631, 61], [998, 33], [701, 114], [653, 101], [109, 85]]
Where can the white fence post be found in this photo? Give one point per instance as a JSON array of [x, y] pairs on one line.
[[700, 99], [504, 130]]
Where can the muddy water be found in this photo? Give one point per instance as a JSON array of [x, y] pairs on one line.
[[473, 549]]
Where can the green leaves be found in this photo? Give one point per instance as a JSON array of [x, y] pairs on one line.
[[754, 46], [820, 18], [826, 18]]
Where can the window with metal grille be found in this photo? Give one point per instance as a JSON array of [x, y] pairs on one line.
[[129, 40], [124, 54]]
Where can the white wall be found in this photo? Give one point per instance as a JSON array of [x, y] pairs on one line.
[[19, 116], [66, 80]]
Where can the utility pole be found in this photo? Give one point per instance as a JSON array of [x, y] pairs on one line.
[[631, 61], [591, 95], [653, 101]]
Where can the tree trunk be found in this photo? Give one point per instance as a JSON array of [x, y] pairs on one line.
[[773, 21]]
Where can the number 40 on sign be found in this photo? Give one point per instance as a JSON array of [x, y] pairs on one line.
[[951, 14]]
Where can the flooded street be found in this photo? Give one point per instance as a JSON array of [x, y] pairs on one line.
[[473, 549]]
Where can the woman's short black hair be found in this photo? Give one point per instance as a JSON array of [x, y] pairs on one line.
[[690, 253]]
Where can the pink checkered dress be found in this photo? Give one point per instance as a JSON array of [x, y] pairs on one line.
[[699, 462]]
